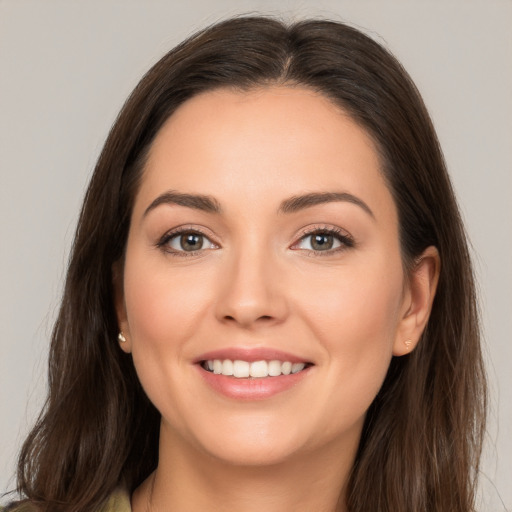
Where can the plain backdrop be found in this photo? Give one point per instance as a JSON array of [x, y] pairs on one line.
[[67, 66]]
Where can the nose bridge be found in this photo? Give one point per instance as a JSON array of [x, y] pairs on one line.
[[250, 290]]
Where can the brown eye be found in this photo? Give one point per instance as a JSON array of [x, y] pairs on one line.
[[189, 241], [322, 242]]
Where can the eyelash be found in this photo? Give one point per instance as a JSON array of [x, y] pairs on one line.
[[162, 243], [347, 242]]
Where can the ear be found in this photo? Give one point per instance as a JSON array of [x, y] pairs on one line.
[[120, 307], [419, 295]]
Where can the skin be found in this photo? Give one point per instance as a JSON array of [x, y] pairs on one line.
[[258, 283]]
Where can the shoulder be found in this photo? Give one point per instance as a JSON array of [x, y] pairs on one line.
[[119, 501]]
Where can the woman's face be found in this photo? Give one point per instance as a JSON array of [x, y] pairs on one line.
[[263, 234]]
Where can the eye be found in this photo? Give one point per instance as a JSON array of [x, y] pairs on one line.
[[186, 242], [324, 240]]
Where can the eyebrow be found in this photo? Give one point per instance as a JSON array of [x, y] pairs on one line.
[[291, 205], [196, 201], [301, 202]]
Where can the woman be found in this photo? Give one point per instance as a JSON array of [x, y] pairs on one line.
[[270, 302]]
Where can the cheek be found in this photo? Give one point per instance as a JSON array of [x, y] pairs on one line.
[[355, 316], [162, 306], [354, 306]]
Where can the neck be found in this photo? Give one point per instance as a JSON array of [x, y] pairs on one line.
[[188, 480]]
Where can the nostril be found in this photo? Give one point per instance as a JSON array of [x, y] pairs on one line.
[[246, 321], [263, 317]]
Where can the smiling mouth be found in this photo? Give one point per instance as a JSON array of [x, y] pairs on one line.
[[255, 369]]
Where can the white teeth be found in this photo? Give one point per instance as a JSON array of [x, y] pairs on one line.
[[274, 368], [240, 369], [217, 366], [297, 367], [255, 369], [227, 367], [286, 368], [258, 369]]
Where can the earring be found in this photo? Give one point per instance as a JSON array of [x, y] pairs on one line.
[[408, 344], [121, 337]]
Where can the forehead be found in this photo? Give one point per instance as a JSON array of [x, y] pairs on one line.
[[261, 145]]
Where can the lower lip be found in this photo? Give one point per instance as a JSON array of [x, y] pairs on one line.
[[251, 388]]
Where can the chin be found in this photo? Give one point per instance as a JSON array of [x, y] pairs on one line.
[[265, 449], [251, 440], [251, 454]]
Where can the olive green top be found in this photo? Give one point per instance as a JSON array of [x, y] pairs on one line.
[[119, 501]]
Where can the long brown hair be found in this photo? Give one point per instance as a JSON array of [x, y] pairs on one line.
[[422, 437]]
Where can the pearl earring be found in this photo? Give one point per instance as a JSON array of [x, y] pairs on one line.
[[121, 337]]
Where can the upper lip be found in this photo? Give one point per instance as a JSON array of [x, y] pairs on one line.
[[250, 355]]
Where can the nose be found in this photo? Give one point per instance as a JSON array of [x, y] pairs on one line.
[[252, 294]]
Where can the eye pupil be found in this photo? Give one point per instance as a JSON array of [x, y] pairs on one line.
[[191, 242], [322, 242]]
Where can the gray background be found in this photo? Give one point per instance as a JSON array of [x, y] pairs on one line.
[[65, 70]]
